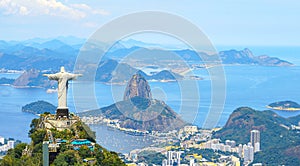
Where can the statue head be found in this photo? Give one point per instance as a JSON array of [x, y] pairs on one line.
[[62, 69]]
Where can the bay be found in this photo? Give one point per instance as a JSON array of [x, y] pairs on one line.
[[253, 86]]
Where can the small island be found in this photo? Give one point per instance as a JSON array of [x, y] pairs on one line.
[[39, 107], [284, 106]]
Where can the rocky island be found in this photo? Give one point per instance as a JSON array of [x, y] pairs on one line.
[[284, 106]]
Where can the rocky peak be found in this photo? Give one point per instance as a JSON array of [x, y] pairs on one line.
[[137, 86], [247, 53]]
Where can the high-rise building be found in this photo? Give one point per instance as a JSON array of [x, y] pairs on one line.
[[227, 148], [256, 147], [245, 152], [45, 153], [11, 144], [170, 158], [251, 153], [248, 153], [240, 150], [173, 158], [165, 162], [2, 140], [255, 140], [231, 143], [177, 157]]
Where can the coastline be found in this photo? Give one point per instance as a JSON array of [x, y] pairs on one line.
[[291, 109], [22, 87], [112, 123]]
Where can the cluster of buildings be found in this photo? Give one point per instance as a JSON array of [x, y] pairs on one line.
[[190, 137], [216, 145], [6, 145], [114, 123], [295, 127], [245, 151], [173, 158], [9, 71]]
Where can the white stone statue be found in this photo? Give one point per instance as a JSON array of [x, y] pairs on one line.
[[62, 78]]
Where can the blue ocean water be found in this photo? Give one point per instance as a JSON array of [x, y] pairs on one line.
[[253, 86]]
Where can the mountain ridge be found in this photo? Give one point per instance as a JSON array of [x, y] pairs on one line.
[[58, 53]]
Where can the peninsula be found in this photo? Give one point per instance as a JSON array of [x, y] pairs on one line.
[[284, 106]]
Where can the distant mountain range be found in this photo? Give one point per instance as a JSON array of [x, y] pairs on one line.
[[280, 145], [48, 55]]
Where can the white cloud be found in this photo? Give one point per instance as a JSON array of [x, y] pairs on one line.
[[88, 9], [81, 6], [90, 25], [101, 12], [23, 10], [55, 8], [48, 7], [9, 7]]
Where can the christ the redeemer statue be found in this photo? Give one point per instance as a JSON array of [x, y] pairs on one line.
[[62, 78]]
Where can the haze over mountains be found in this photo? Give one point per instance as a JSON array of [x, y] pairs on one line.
[[131, 56], [49, 54]]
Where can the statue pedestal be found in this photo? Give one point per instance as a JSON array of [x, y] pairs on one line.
[[62, 113]]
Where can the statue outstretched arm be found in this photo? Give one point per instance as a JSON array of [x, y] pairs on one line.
[[51, 76], [74, 76]]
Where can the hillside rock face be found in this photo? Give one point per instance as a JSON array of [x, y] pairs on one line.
[[137, 86]]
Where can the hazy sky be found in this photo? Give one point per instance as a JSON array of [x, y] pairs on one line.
[[230, 22]]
